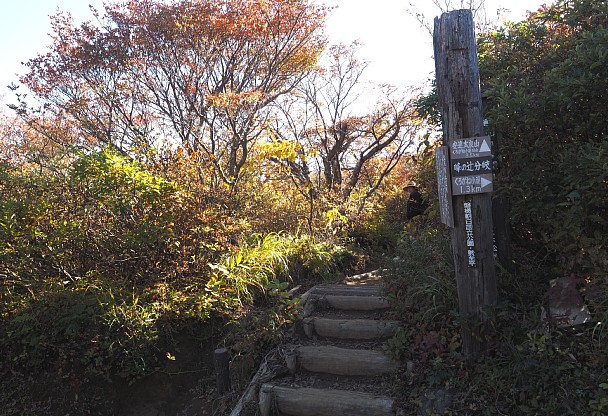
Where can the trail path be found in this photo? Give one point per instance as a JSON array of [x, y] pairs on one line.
[[334, 364]]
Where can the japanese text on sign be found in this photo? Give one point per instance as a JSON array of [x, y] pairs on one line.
[[477, 184], [444, 186], [468, 181], [468, 220], [473, 166], [473, 147]]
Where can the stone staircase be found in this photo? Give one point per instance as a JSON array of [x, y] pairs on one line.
[[335, 364]]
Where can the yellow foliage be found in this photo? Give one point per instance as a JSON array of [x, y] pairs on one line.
[[281, 149], [231, 99]]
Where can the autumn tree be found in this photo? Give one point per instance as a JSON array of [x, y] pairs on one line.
[[336, 145], [197, 74], [33, 145]]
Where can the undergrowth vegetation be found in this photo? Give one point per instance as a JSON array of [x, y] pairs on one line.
[[104, 262], [531, 368]]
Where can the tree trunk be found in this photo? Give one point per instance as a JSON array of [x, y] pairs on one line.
[[460, 104]]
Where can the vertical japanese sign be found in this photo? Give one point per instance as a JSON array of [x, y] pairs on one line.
[[468, 226], [446, 210]]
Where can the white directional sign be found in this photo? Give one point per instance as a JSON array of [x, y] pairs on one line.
[[443, 185], [473, 184], [474, 147], [471, 165]]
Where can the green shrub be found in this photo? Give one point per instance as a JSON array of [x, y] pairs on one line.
[[98, 259], [560, 198], [546, 87]]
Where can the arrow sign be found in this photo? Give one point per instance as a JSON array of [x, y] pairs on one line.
[[471, 165], [485, 147], [472, 184], [485, 182], [471, 148]]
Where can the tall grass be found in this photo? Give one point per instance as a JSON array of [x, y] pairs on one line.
[[241, 276], [422, 273]]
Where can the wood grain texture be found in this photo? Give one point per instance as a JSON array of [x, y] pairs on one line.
[[457, 75], [357, 303], [344, 361], [354, 328], [316, 402]]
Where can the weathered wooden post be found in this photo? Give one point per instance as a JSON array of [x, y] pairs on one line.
[[457, 75], [221, 362]]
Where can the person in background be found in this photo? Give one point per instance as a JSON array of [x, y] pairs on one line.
[[416, 205]]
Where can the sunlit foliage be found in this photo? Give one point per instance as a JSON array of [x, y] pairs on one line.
[[193, 74]]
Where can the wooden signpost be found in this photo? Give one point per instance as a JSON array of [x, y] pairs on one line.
[[457, 75], [444, 185]]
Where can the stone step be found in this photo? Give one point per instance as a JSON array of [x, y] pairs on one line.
[[342, 361], [322, 376], [341, 297], [317, 402], [369, 278], [349, 328]]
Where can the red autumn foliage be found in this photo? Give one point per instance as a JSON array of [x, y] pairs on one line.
[[199, 73]]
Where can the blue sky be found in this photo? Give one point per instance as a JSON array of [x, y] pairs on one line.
[[24, 29], [398, 49]]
